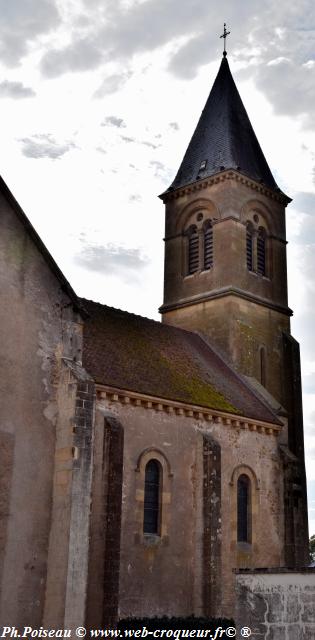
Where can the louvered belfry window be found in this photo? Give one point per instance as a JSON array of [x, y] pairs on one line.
[[243, 509], [208, 245], [152, 492], [249, 247], [261, 252], [193, 250]]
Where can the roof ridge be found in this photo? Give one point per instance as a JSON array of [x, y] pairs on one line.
[[137, 315]]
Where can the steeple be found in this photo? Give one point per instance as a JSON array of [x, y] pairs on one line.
[[225, 271], [224, 138]]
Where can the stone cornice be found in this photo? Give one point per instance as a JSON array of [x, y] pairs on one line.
[[220, 293], [172, 407], [222, 176]]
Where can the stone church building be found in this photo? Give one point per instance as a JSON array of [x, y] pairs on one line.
[[142, 462]]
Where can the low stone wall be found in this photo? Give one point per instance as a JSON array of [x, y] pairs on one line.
[[276, 604]]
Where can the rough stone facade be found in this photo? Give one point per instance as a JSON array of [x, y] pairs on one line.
[[39, 452], [198, 508], [277, 604]]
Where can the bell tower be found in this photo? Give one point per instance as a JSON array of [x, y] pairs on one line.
[[225, 241], [225, 267]]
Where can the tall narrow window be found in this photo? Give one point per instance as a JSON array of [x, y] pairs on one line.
[[261, 252], [208, 244], [152, 492], [193, 249], [249, 247], [243, 509], [262, 362]]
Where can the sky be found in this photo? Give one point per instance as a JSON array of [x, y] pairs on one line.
[[98, 101]]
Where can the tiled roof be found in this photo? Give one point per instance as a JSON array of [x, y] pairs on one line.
[[224, 138], [133, 353]]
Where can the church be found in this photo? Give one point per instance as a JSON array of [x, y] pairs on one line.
[[142, 462]]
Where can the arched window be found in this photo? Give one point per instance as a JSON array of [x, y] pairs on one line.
[[208, 244], [152, 495], [243, 509], [249, 247], [193, 249], [262, 363], [261, 252]]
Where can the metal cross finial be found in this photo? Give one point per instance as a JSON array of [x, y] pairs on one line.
[[224, 34]]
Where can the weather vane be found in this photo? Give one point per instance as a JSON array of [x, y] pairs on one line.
[[224, 34]]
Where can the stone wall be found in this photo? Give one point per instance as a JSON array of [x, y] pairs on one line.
[[277, 605], [41, 325], [198, 509]]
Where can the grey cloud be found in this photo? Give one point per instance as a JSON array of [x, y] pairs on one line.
[[193, 54], [149, 144], [120, 32], [144, 142], [114, 122], [306, 237], [161, 171], [309, 387], [127, 139], [81, 55], [112, 259], [44, 146], [146, 26], [290, 87], [21, 23], [15, 90], [111, 84], [174, 125], [135, 197], [305, 202]]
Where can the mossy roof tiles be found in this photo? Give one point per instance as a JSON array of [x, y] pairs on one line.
[[133, 353]]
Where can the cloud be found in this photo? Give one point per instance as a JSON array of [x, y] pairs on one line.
[[81, 55], [101, 150], [114, 122], [161, 171], [44, 146], [274, 41], [113, 260], [121, 32], [290, 87], [149, 144], [22, 23], [15, 90], [111, 84], [127, 139], [174, 125], [305, 202], [309, 387], [146, 143]]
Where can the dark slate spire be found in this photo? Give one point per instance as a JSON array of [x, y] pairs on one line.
[[224, 138]]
